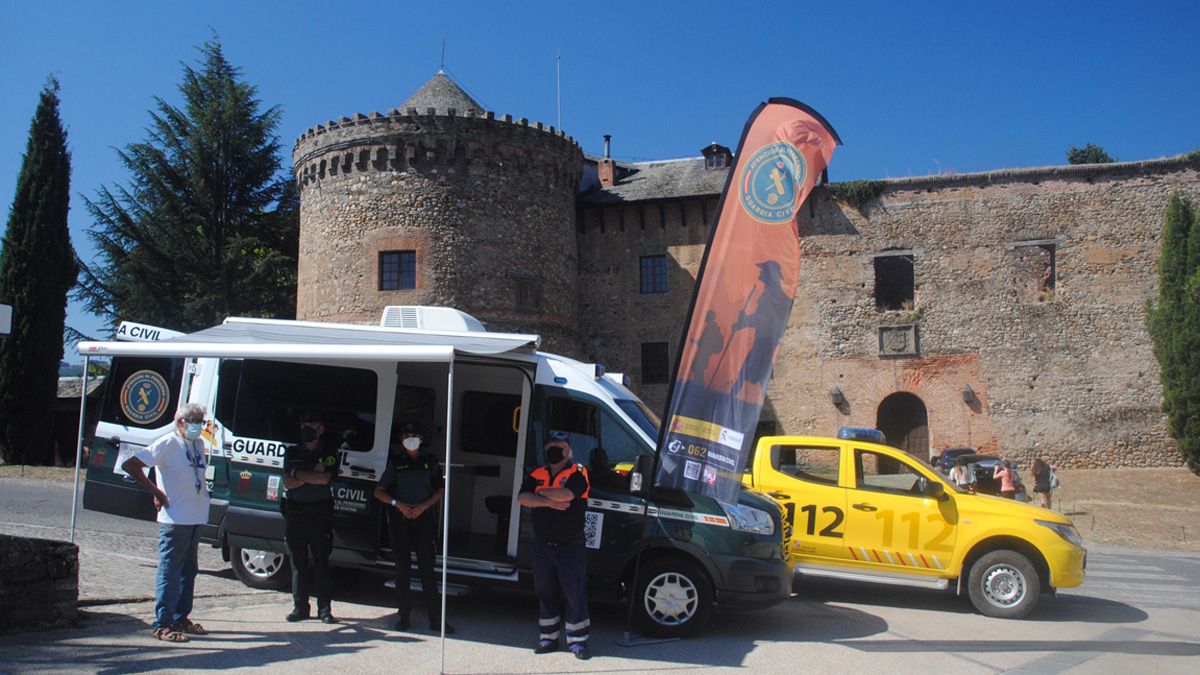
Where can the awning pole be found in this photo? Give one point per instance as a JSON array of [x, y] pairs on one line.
[[79, 443], [446, 508]]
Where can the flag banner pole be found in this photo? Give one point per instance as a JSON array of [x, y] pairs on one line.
[[742, 300], [79, 444]]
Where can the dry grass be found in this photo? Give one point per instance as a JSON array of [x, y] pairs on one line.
[[1132, 508]]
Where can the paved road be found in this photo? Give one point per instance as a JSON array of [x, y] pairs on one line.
[[1138, 611]]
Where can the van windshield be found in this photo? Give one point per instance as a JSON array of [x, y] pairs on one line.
[[641, 415]]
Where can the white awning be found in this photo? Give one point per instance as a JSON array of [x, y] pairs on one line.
[[274, 338]]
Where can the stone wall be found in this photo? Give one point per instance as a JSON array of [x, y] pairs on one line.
[[1059, 363], [487, 204], [39, 583]]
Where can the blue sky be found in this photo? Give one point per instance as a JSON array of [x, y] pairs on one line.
[[912, 88]]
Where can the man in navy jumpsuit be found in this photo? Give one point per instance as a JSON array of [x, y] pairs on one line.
[[557, 493]]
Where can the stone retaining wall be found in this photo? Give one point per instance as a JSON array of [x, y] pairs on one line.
[[39, 583]]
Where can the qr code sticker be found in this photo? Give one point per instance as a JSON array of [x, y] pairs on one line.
[[593, 525], [691, 470]]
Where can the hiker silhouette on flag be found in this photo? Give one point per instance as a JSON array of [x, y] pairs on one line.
[[768, 321], [711, 343]]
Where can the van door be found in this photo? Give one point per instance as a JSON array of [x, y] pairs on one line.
[[140, 398], [271, 397], [806, 479], [890, 524]]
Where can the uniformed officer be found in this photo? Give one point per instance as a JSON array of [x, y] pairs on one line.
[[557, 493], [411, 485], [308, 467]]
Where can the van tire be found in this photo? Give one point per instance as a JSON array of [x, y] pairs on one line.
[[673, 598], [261, 569], [1004, 584]]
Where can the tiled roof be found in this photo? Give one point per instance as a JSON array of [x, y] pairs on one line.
[[441, 93], [670, 179]]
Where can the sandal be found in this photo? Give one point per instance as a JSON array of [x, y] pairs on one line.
[[168, 635], [189, 627]]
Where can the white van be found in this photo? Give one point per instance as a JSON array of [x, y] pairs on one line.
[[483, 399]]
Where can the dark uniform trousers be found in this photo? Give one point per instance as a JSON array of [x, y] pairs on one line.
[[560, 579], [309, 533], [406, 536]]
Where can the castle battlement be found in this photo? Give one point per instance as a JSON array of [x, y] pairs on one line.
[[411, 114]]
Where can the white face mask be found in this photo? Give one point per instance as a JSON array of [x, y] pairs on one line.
[[191, 430], [412, 443]]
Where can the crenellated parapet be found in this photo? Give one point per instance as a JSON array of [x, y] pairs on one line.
[[445, 142]]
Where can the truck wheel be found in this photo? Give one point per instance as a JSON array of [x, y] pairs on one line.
[[261, 569], [1004, 584], [673, 598]]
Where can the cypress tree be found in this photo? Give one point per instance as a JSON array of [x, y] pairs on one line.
[[1174, 324], [37, 269], [207, 227]]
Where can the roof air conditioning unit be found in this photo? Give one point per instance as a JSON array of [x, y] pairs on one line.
[[430, 318]]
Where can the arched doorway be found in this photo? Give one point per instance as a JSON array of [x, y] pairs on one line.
[[903, 420]]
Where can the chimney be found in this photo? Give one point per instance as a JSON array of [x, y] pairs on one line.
[[606, 169]]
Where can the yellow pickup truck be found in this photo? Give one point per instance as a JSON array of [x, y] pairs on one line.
[[863, 511]]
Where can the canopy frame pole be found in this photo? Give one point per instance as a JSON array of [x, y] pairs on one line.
[[446, 510], [79, 443]]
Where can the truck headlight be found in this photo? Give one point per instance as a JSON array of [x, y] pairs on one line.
[[749, 519], [1067, 532]]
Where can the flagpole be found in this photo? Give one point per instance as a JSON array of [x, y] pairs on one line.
[[79, 443]]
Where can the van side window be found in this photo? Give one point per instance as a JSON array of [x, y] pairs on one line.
[[142, 392], [812, 464], [273, 395], [884, 474], [227, 391], [599, 441]]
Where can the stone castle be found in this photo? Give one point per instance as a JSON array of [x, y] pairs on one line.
[[1002, 311]]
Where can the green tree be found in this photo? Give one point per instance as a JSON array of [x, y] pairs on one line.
[[1089, 154], [37, 270], [1174, 324], [208, 225]]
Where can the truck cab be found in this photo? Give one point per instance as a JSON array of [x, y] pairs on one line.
[[863, 511]]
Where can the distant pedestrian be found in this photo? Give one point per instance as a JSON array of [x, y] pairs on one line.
[[181, 498], [308, 468], [1007, 475], [1043, 481], [963, 475], [558, 495]]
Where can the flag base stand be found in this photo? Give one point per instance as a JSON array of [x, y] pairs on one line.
[[639, 640]]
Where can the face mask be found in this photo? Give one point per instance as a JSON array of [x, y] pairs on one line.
[[555, 454], [191, 430], [412, 443], [308, 434]]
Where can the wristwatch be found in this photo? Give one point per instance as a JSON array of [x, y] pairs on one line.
[[393, 503]]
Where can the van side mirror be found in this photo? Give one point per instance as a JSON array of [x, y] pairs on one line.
[[933, 489], [640, 478]]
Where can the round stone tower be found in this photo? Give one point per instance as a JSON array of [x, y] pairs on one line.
[[440, 203]]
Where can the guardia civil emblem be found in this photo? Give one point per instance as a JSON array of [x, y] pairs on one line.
[[769, 184], [144, 397]]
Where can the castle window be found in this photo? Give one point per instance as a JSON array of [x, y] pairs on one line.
[[654, 273], [655, 365], [1034, 269], [716, 157], [894, 284], [397, 270], [529, 295]]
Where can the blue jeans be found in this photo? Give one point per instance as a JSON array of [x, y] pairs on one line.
[[177, 568]]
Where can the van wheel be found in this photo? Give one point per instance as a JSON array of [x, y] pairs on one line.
[[1004, 584], [261, 569], [674, 598]]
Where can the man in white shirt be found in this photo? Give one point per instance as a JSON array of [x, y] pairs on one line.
[[181, 498]]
